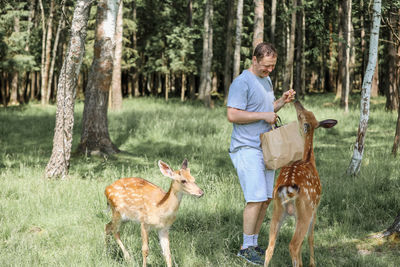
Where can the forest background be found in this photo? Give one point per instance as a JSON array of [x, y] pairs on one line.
[[189, 51]]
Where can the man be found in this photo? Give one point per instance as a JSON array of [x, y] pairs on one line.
[[252, 110]]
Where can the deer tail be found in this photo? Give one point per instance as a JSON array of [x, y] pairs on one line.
[[288, 192]]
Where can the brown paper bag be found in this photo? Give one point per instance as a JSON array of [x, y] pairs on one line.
[[282, 146]]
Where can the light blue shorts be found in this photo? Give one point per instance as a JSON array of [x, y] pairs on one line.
[[257, 182]]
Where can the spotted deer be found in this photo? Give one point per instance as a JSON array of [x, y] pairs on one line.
[[298, 192], [135, 199]]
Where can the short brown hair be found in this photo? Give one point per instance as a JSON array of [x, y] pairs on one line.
[[264, 50]]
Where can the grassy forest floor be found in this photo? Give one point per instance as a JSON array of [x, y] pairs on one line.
[[61, 222]]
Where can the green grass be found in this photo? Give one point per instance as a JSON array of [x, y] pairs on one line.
[[61, 222]]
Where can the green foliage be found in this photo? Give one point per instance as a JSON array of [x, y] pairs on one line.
[[180, 49], [14, 38], [61, 222]]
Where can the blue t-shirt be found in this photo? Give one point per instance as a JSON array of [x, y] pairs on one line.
[[250, 93]]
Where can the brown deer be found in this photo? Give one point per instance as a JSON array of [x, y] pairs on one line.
[[135, 199], [298, 192]]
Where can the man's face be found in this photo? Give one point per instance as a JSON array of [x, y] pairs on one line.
[[265, 66]]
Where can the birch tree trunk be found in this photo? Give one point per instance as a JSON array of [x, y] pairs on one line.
[[238, 39], [258, 34], [355, 163], [95, 138], [290, 57], [62, 142], [228, 50], [116, 92], [394, 228], [205, 75]]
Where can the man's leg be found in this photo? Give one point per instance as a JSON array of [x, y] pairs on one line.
[[261, 215], [250, 217]]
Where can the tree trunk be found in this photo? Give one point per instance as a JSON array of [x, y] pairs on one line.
[[396, 142], [190, 13], [95, 138], [392, 70], [167, 86], [27, 74], [375, 80], [346, 78], [62, 142], [362, 36], [60, 27], [290, 57], [192, 86], [299, 52], [116, 91], [205, 75], [207, 99], [331, 69], [273, 21], [238, 39], [15, 74], [395, 84], [3, 92], [355, 163], [183, 90], [45, 75], [136, 69], [228, 50], [341, 52], [43, 94], [394, 228], [258, 34]]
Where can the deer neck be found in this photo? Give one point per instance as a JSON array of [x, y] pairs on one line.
[[308, 154], [172, 198]]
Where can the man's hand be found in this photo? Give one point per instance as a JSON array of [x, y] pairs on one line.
[[288, 96], [270, 117]]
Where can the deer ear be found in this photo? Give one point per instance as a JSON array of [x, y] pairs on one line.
[[327, 123], [165, 169], [184, 164]]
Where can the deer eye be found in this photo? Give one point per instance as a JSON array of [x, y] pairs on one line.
[[183, 181]]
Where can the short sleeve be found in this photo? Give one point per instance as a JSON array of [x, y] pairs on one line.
[[237, 97]]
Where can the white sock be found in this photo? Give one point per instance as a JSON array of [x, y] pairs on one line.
[[255, 240], [247, 241]]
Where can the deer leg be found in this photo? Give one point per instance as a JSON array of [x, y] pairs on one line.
[[311, 241], [303, 221], [145, 243], [277, 218], [113, 227], [164, 241]]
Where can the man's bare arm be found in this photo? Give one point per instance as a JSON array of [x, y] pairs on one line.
[[239, 116]]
